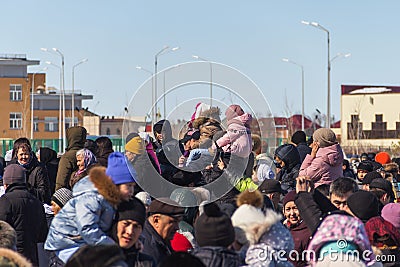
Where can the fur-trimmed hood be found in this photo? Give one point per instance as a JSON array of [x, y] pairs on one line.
[[102, 183], [9, 257]]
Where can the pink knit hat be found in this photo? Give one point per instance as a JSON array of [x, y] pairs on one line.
[[391, 213], [233, 111]]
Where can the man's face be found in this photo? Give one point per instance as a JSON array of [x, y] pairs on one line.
[[130, 156], [279, 162], [340, 202], [165, 225], [159, 137], [361, 174], [194, 143], [291, 213], [365, 187], [23, 156], [128, 232]]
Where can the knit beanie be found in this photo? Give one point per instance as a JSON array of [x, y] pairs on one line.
[[371, 176], [180, 243], [391, 213], [14, 174], [365, 165], [291, 196], [325, 137], [233, 111], [214, 228], [299, 137], [135, 145], [132, 210], [383, 158], [61, 196], [120, 171], [144, 197], [364, 205]]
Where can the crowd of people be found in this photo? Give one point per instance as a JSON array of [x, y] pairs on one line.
[[215, 196]]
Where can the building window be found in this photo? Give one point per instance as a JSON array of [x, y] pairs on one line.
[[15, 120], [378, 117], [36, 124], [15, 92], [51, 124], [118, 131], [108, 131]]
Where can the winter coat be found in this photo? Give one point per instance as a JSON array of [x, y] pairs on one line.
[[265, 238], [37, 179], [303, 150], [154, 244], [217, 257], [134, 258], [48, 158], [325, 167], [288, 174], [25, 214], [76, 137], [237, 140], [301, 237], [87, 216]]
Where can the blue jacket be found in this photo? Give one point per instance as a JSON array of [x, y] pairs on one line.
[[87, 216]]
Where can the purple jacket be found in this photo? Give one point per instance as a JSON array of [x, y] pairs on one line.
[[325, 167], [237, 140]]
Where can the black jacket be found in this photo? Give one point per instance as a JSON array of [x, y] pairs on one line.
[[48, 159], [37, 179], [134, 258], [217, 257], [313, 208], [287, 175], [303, 150], [154, 244], [26, 215]]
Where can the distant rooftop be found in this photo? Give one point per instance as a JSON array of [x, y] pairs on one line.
[[369, 89], [12, 56], [17, 59]]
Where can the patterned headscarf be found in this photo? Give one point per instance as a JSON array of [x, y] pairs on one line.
[[89, 159]]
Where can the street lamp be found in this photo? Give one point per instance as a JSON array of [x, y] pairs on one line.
[[302, 89], [338, 55], [32, 100], [57, 51], [152, 90], [320, 27], [60, 108], [211, 89], [73, 90], [163, 51]]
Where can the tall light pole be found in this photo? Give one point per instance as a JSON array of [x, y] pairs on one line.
[[211, 89], [339, 55], [58, 52], [302, 89], [73, 90], [152, 90], [60, 108], [163, 51], [32, 99], [320, 27]]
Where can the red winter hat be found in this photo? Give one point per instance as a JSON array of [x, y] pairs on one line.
[[383, 158], [180, 243], [233, 111]]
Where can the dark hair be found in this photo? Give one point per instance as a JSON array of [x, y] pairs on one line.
[[378, 192], [181, 259], [342, 186], [96, 256], [346, 163], [19, 141], [324, 189], [104, 145], [91, 145]]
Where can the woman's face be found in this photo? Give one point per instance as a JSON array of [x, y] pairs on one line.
[[80, 161], [292, 213], [23, 156], [126, 191]]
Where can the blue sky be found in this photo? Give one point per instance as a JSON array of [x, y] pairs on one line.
[[251, 36]]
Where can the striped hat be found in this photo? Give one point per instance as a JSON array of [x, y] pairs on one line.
[[61, 196]]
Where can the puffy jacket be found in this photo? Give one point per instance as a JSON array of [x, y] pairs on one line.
[[217, 257], [76, 137], [25, 213], [87, 216], [287, 175], [237, 139], [325, 167]]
